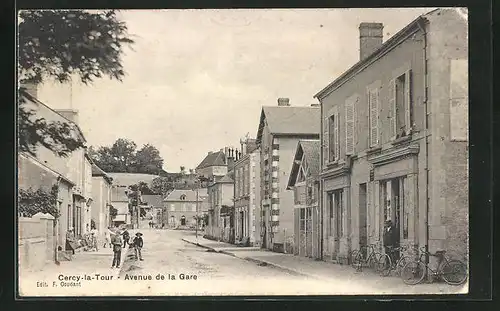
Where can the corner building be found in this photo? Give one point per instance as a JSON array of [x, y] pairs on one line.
[[395, 140]]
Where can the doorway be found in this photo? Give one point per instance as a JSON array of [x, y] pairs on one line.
[[363, 232], [242, 223], [183, 220]]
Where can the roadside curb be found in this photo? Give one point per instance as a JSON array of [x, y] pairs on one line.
[[257, 261]]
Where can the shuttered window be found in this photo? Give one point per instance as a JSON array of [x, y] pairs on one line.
[[393, 108], [373, 99], [349, 126], [325, 144], [408, 106], [336, 136]]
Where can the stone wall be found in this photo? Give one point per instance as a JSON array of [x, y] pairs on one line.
[[36, 241]]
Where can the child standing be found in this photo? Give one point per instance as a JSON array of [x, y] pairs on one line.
[[138, 243]]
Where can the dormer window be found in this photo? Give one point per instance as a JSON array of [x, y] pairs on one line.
[[183, 197]]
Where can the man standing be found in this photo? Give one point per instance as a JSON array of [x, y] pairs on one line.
[[116, 241], [138, 243], [389, 238], [126, 237]]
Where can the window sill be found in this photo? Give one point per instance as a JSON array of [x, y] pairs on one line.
[[373, 150]]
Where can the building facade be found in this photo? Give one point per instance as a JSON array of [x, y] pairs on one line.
[[395, 132], [247, 194], [304, 182], [72, 174], [182, 207], [101, 193], [221, 212], [280, 129]]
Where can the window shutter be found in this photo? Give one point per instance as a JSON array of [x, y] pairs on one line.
[[325, 141], [408, 124], [373, 99], [349, 127], [393, 107], [336, 135]]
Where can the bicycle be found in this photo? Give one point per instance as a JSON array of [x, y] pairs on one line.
[[453, 272], [371, 261], [387, 264]]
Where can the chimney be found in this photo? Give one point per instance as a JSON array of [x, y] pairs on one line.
[[210, 152], [69, 114], [31, 88], [370, 38], [284, 102]]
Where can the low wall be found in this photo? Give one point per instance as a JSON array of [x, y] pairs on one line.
[[36, 241]]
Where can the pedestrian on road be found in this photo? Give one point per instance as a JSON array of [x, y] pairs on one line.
[[116, 240], [70, 240], [94, 232], [126, 237], [138, 243], [107, 237]]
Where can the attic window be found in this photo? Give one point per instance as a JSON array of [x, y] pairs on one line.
[[183, 197]]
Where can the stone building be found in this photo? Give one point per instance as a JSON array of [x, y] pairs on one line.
[[247, 193], [304, 181], [395, 139], [183, 206], [101, 193], [72, 174], [280, 128]]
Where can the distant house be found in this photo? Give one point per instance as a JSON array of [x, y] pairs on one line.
[[129, 179], [120, 200], [280, 129], [221, 213], [101, 192], [247, 194], [182, 206], [151, 209], [304, 181]]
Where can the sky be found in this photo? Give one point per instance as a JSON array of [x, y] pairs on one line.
[[196, 79]]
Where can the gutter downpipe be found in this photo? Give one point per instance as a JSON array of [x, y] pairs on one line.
[[426, 214], [56, 224], [321, 186]]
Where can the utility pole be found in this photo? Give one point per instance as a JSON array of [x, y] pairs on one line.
[[196, 182]]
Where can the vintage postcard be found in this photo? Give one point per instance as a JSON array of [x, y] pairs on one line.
[[243, 152]]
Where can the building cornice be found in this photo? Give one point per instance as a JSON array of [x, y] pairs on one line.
[[340, 170], [394, 155]]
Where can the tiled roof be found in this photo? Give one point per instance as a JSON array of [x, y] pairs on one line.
[[176, 194], [311, 150], [97, 171], [153, 200], [226, 179], [128, 179], [290, 120], [213, 159]]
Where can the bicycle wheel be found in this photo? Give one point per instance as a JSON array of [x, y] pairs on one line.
[[353, 256], [413, 272], [373, 260], [384, 265], [358, 261], [454, 272], [401, 264]]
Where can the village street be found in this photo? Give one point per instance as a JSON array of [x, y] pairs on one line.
[[174, 267]]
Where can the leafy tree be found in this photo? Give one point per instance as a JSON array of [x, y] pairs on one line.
[[60, 137], [162, 185], [148, 160], [122, 157], [32, 201], [57, 45]]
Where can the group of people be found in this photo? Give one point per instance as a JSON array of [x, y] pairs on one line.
[[114, 237], [119, 240]]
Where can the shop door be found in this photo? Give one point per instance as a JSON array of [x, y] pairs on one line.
[[308, 232], [362, 216]]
